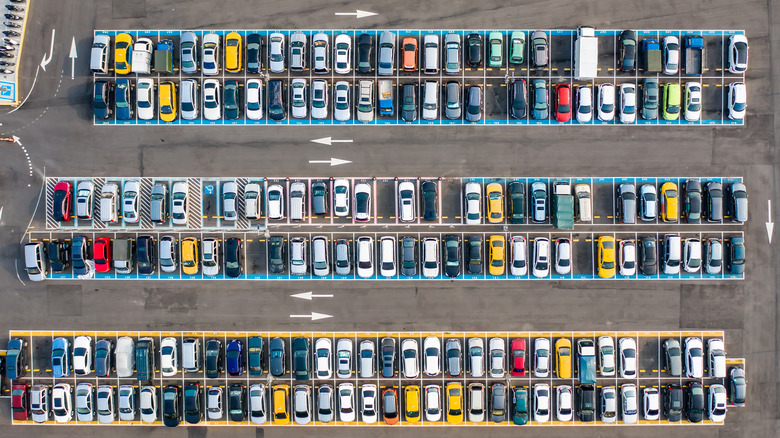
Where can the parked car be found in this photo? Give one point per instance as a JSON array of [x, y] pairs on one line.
[[627, 50], [738, 54]]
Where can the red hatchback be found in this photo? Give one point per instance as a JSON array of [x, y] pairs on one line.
[[61, 201], [101, 253], [562, 103], [20, 402], [518, 357]]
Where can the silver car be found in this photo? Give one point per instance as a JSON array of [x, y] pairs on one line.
[[84, 193], [229, 195], [325, 403], [85, 411], [148, 404], [298, 51], [648, 202], [365, 104], [168, 254], [179, 202], [302, 404], [189, 52], [298, 98], [453, 107], [105, 404], [276, 52], [386, 54], [344, 358], [320, 44], [452, 53], [126, 403], [258, 407], [319, 99], [130, 201], [188, 99], [497, 357]]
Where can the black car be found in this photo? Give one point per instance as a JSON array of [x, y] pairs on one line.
[[519, 99], [516, 202], [388, 357], [365, 46], [276, 104], [409, 103], [586, 403], [103, 350], [231, 99], [475, 255], [474, 50], [277, 353], [430, 205], [408, 256], [101, 101], [170, 405], [59, 255], [451, 255], [276, 257], [254, 53], [694, 406], [737, 386], [234, 257], [319, 197], [301, 358], [647, 255], [673, 402], [79, 254], [236, 404], [192, 403], [145, 255], [627, 50], [213, 358], [692, 201]]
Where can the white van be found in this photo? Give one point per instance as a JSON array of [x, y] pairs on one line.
[[109, 205], [430, 103], [98, 57], [297, 201], [319, 255], [671, 254], [431, 54], [387, 261], [582, 193], [35, 261], [717, 358], [190, 355]]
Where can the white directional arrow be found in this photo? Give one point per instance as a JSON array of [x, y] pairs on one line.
[[16, 140], [314, 316], [46, 60], [73, 55], [329, 140], [358, 13], [309, 295], [770, 226], [332, 162]]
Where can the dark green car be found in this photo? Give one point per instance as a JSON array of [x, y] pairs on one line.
[[255, 355], [520, 402]]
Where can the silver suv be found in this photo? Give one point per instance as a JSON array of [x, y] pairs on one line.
[[386, 54]]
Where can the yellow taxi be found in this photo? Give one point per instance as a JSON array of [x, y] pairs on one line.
[[189, 255], [669, 209], [123, 53], [233, 52], [454, 403], [563, 358], [606, 256], [495, 203], [412, 403], [167, 98], [496, 247], [281, 401]]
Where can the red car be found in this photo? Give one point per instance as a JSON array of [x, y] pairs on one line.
[[61, 201], [562, 103], [20, 402], [101, 253], [518, 357]]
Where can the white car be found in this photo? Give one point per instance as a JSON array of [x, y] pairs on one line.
[[346, 396], [179, 194], [473, 199], [717, 403], [320, 49], [606, 104], [737, 100], [367, 359], [432, 403], [82, 355], [671, 54], [319, 99], [476, 354], [364, 257], [61, 403], [430, 257], [212, 109], [563, 401], [341, 102], [275, 202], [344, 358], [432, 356], [126, 405], [214, 403], [229, 200], [563, 256], [629, 404], [409, 355], [130, 201], [252, 201], [298, 105], [368, 407], [323, 350], [541, 402], [144, 95], [362, 203], [276, 52], [169, 363], [608, 404], [406, 203], [85, 405], [210, 256], [584, 104], [497, 357], [148, 404], [541, 266], [84, 196], [188, 99], [542, 357], [627, 347], [254, 99], [627, 255], [738, 54], [716, 353], [387, 248], [476, 400], [606, 356], [627, 103], [258, 407], [341, 197], [210, 58], [519, 259], [694, 358], [365, 104], [106, 412], [651, 404], [342, 54], [124, 358], [692, 102]]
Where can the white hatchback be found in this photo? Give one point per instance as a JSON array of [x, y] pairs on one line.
[[473, 199]]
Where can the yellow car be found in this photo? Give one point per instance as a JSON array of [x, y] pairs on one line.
[[189, 255], [123, 53], [412, 403], [281, 402], [167, 98], [669, 209], [563, 358], [495, 203], [233, 52], [606, 258], [454, 403], [496, 248]]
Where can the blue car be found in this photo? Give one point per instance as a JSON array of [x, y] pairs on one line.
[[122, 102], [234, 353], [15, 358], [60, 357], [79, 255]]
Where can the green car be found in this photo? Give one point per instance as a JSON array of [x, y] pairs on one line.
[[520, 402], [517, 48], [496, 49], [670, 109]]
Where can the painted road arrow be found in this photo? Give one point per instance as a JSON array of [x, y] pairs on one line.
[[46, 60], [770, 226], [73, 55], [314, 316], [309, 295], [329, 140], [332, 162], [358, 13]]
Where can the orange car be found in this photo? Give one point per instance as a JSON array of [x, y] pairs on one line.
[[390, 406], [409, 54]]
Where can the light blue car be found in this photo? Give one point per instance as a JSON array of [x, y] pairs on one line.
[[60, 357]]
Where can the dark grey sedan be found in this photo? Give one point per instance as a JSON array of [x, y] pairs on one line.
[[453, 353], [474, 108], [540, 99], [278, 356], [452, 110]]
